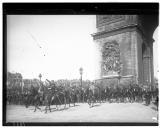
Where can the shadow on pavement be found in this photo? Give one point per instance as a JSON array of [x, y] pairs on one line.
[[145, 104], [75, 105], [59, 109], [154, 108], [96, 105], [47, 109], [62, 109]]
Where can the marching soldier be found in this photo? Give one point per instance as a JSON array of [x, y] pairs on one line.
[[147, 97]]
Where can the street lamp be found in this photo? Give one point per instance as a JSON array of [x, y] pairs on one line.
[[40, 76], [81, 72]]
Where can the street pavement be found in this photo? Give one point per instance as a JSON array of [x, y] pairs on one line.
[[104, 112]]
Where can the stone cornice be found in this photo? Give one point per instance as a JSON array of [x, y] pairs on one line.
[[116, 31], [112, 32]]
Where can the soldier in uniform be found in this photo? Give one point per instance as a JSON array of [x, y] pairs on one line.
[[125, 94], [27, 98], [129, 94], [157, 102], [147, 97], [90, 97], [110, 95]]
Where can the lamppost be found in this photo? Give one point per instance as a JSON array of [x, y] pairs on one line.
[[81, 72], [40, 76]]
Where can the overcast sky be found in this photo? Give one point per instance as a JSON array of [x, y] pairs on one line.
[[55, 46]]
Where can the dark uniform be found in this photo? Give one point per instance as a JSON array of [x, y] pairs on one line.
[[147, 97]]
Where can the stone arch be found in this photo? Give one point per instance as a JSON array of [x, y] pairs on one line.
[[134, 34]]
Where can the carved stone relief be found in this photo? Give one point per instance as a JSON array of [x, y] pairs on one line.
[[111, 57]]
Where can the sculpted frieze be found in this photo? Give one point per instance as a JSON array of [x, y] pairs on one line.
[[111, 57]]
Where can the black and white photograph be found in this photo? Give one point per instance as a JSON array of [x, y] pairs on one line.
[[83, 67]]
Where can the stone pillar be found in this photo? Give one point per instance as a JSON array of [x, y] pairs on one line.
[[146, 65], [148, 70]]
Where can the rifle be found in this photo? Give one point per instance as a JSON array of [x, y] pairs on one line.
[[48, 81], [51, 83]]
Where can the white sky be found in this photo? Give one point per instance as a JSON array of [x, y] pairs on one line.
[[54, 45], [66, 45], [156, 52]]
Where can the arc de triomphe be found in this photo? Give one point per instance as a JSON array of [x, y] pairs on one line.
[[126, 46]]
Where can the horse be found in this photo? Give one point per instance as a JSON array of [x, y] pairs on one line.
[[51, 96], [48, 98], [35, 98], [37, 101]]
